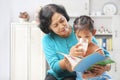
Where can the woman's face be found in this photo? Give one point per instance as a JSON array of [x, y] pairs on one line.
[[59, 25]]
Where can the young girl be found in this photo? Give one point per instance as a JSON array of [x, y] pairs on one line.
[[84, 28]]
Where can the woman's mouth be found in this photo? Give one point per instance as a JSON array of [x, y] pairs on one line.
[[66, 29]]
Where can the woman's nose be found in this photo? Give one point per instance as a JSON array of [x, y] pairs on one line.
[[61, 26]]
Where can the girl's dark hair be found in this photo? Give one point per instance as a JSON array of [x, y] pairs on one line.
[[46, 14], [83, 22]]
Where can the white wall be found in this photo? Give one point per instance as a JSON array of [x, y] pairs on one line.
[[97, 6], [9, 11], [26, 5], [4, 39]]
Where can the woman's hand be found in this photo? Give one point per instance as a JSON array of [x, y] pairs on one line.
[[76, 51]]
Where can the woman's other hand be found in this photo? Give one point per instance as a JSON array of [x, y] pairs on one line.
[[65, 65], [68, 65]]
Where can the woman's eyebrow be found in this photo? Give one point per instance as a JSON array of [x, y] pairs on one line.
[[61, 18], [54, 23]]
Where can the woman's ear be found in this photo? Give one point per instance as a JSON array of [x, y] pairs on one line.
[[94, 32]]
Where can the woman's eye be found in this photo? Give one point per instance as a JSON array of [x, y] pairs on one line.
[[61, 21], [55, 25]]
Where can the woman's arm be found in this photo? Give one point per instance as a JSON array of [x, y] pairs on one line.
[[51, 56]]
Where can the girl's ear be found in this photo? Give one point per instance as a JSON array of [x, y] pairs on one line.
[[94, 32]]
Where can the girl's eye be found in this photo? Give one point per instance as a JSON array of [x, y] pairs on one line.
[[87, 37], [79, 37]]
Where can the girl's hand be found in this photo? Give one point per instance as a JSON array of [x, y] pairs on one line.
[[88, 74], [97, 70]]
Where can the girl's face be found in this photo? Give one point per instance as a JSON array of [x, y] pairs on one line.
[[59, 25], [85, 33]]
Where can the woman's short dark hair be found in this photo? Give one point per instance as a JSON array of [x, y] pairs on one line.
[[83, 22], [46, 14]]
